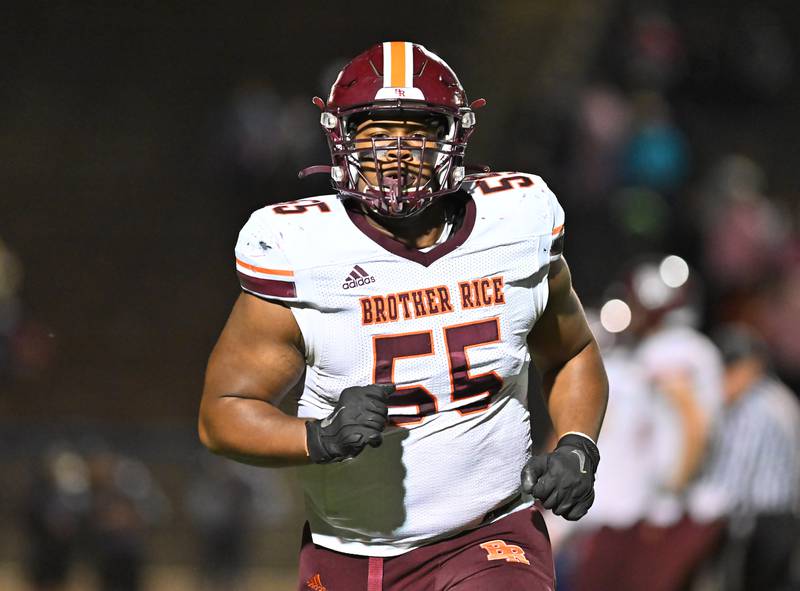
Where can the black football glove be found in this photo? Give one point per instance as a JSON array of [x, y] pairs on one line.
[[357, 420], [564, 479]]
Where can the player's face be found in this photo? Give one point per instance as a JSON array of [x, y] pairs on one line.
[[397, 153]]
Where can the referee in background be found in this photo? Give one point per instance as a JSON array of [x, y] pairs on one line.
[[754, 469]]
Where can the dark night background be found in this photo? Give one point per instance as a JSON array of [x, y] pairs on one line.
[[127, 170]]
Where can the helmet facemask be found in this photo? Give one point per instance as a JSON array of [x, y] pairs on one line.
[[397, 176]]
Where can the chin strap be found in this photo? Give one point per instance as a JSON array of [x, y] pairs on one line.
[[318, 169]]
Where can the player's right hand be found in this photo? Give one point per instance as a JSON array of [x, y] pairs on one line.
[[357, 420]]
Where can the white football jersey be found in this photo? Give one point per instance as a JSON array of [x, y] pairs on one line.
[[632, 467], [677, 349], [447, 325]]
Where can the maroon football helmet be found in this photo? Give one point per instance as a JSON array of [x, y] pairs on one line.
[[397, 176], [660, 286]]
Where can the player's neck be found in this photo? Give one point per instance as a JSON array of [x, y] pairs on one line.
[[420, 231]]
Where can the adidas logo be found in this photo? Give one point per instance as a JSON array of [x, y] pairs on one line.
[[357, 277], [315, 583]]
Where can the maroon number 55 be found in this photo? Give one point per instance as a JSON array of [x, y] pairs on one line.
[[459, 337]]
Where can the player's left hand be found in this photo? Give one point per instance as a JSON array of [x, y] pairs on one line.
[[564, 479]]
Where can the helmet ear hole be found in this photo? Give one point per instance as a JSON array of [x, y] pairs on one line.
[[441, 124], [353, 121]]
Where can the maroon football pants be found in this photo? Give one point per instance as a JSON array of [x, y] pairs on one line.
[[645, 556], [511, 554]]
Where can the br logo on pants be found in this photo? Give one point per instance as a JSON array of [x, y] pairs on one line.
[[499, 550]]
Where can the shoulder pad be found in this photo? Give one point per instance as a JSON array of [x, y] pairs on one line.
[[488, 183], [261, 263], [493, 184]]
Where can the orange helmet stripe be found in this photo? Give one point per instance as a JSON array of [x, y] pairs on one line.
[[398, 50], [398, 64]]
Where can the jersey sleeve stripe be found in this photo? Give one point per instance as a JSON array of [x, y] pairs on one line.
[[282, 272], [558, 229], [267, 287]]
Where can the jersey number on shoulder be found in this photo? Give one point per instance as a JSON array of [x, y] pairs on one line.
[[300, 206], [504, 183], [417, 399]]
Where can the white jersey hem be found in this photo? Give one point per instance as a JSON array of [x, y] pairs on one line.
[[389, 549]]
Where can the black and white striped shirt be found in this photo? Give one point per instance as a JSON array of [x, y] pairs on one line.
[[755, 457]]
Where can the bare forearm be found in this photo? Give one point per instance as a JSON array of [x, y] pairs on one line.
[[577, 393], [695, 433], [253, 432]]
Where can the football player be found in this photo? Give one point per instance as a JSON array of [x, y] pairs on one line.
[[410, 304], [658, 434]]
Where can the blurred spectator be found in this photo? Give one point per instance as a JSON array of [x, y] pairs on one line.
[[745, 233], [602, 128], [220, 504], [749, 245], [54, 509], [657, 155], [753, 474], [226, 502], [124, 501]]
